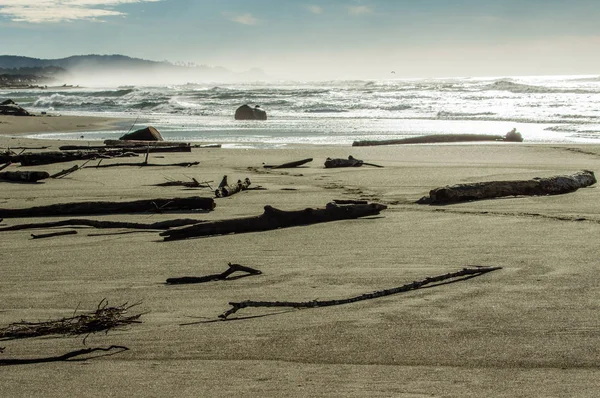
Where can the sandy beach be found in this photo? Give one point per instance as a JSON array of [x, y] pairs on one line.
[[530, 329]]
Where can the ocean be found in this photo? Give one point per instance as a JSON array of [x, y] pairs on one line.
[[544, 109]]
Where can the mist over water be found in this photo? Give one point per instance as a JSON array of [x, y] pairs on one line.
[[543, 109]]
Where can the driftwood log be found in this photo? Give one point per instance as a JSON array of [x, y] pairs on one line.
[[188, 184], [465, 273], [350, 162], [512, 136], [72, 355], [89, 208], [5, 165], [159, 225], [145, 164], [496, 189], [223, 276], [41, 158], [225, 189], [129, 148], [23, 176], [289, 165], [274, 218]]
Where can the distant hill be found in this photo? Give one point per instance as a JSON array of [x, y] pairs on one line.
[[119, 69]]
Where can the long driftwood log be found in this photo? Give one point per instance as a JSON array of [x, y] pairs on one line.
[[72, 355], [289, 165], [274, 218], [512, 136], [464, 273], [159, 225], [144, 164], [225, 189], [223, 276], [89, 208], [496, 189], [23, 176], [350, 162], [42, 158]]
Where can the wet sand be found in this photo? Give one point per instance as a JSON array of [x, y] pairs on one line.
[[527, 330]]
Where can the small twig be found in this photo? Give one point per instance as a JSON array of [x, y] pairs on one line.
[[52, 234]]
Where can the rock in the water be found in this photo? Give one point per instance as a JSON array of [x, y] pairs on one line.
[[246, 112], [147, 134], [9, 107]]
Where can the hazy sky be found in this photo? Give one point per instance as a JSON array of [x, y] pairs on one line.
[[319, 39]]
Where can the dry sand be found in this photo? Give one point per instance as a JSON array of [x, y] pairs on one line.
[[528, 330]]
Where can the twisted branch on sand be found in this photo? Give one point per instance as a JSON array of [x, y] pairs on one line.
[[223, 276], [464, 274]]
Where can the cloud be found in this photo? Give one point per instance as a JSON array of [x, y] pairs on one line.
[[53, 11], [245, 19], [359, 10], [314, 9]]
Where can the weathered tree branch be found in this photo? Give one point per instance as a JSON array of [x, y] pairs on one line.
[[52, 234], [496, 189], [215, 277], [273, 218], [465, 272]]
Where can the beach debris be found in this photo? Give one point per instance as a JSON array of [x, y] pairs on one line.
[[246, 112], [289, 165], [188, 184], [146, 134], [130, 148], [143, 143], [144, 164], [66, 172], [224, 189], [223, 276], [103, 319], [23, 176], [511, 136], [49, 157], [135, 206], [159, 225], [65, 357], [5, 165], [52, 234], [273, 218], [350, 162], [496, 189], [9, 107], [464, 274]]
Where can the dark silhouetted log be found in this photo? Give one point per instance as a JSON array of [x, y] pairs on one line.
[[5, 165], [23, 176], [65, 172], [289, 165], [223, 276], [104, 224], [465, 273], [144, 164], [496, 189], [350, 162], [136, 206], [188, 184], [225, 190], [512, 136], [41, 158], [73, 355], [273, 219], [52, 234], [138, 143], [130, 148]]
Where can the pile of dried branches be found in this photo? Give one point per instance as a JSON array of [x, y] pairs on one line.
[[102, 319]]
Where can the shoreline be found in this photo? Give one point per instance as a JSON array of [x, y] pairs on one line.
[[38, 124]]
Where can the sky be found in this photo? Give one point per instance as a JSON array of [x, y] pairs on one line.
[[314, 40]]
